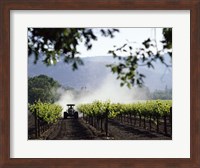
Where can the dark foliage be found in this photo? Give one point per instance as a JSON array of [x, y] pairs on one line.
[[42, 88], [56, 42], [127, 67]]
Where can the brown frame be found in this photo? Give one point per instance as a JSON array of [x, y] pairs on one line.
[[7, 5]]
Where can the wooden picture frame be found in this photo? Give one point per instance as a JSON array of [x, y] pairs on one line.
[[7, 5]]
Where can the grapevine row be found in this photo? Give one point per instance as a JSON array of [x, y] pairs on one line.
[[155, 111], [46, 114], [149, 108], [46, 111]]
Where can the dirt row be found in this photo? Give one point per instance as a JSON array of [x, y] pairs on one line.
[[73, 129], [121, 131], [78, 129]]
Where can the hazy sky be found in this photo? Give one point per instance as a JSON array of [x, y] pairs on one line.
[[134, 36]]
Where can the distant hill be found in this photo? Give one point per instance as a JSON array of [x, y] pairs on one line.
[[94, 72]]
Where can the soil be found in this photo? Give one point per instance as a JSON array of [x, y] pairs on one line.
[[78, 129], [73, 129], [121, 131]]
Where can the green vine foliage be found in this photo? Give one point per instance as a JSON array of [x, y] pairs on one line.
[[154, 108], [46, 111]]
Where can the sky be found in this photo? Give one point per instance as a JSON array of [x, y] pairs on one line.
[[132, 36]]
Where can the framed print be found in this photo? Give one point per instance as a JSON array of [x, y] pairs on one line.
[[99, 84]]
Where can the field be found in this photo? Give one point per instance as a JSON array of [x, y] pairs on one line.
[[147, 120]]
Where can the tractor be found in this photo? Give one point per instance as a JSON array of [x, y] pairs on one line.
[[70, 112]]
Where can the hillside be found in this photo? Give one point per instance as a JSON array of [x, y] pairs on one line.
[[93, 73]]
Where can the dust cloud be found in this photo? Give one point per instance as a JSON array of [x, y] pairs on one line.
[[109, 89]]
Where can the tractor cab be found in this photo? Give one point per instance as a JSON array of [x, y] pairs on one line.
[[70, 112]]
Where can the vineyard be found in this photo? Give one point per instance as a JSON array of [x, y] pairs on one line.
[[105, 117], [46, 115], [150, 115]]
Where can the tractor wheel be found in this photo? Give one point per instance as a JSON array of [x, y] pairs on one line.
[[65, 115], [76, 115]]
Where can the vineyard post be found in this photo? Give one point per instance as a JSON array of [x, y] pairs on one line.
[[144, 122], [42, 127], [38, 127], [165, 125], [125, 118], [97, 123], [157, 122], [36, 135], [92, 120], [42, 130], [150, 122], [134, 119], [106, 124], [86, 118], [129, 119], [140, 120], [101, 125], [45, 126], [118, 117], [171, 119]]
